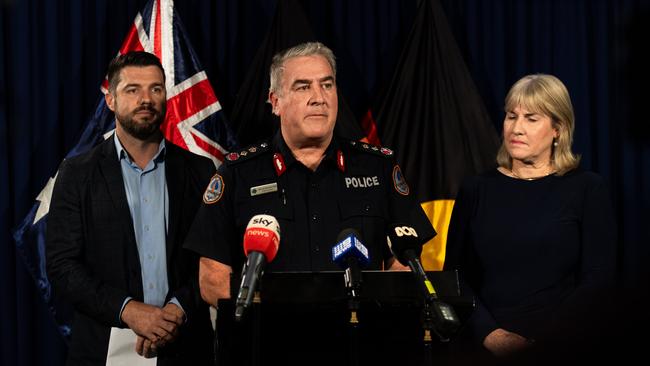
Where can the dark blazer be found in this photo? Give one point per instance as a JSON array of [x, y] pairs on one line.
[[92, 257]]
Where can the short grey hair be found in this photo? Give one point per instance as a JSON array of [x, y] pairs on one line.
[[303, 49]]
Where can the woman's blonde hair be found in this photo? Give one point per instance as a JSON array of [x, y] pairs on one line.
[[545, 94]]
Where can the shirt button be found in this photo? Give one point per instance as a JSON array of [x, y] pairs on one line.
[[146, 200], [150, 257], [146, 228], [314, 217], [317, 249]]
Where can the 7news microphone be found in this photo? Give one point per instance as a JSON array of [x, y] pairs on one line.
[[261, 242], [350, 254], [407, 249]]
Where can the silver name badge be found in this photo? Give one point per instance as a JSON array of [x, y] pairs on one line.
[[264, 188]]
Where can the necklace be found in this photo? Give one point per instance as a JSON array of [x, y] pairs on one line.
[[530, 178]]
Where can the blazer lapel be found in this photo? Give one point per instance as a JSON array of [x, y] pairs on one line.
[[175, 175], [112, 172]]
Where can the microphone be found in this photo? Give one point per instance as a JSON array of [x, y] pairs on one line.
[[407, 248], [350, 253], [261, 241]]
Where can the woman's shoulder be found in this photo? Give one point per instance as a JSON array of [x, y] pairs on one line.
[[586, 177], [584, 182]]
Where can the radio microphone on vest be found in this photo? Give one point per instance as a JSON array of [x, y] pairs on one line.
[[407, 248], [350, 254], [261, 242]]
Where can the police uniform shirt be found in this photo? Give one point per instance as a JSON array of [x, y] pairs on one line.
[[355, 186]]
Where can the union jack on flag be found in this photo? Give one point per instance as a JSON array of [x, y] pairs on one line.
[[194, 121]]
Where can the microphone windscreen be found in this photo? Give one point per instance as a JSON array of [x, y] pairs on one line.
[[402, 238], [347, 245], [262, 235]]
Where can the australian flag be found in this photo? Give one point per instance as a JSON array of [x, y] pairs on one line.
[[194, 121]]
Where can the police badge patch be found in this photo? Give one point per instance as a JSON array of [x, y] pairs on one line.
[[399, 182], [214, 191]]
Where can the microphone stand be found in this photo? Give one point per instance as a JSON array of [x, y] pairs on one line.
[[352, 277], [428, 327], [257, 328], [252, 322]]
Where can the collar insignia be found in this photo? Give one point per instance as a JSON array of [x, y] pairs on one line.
[[278, 164]]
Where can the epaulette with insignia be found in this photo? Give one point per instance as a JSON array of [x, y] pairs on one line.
[[378, 150], [240, 155]]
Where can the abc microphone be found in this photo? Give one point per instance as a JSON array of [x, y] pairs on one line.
[[261, 242], [407, 248], [349, 253]]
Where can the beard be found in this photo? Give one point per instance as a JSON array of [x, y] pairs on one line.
[[145, 127]]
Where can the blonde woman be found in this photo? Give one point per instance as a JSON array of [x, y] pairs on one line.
[[533, 239]]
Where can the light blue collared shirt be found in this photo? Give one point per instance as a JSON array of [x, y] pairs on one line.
[[146, 192]]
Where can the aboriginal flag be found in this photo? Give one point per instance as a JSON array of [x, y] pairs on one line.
[[435, 119]]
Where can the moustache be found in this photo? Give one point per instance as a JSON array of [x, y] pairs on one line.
[[147, 108]]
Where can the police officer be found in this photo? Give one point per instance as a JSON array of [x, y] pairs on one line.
[[315, 184]]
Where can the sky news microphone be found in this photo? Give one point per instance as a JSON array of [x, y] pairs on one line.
[[261, 242], [407, 247], [350, 254]]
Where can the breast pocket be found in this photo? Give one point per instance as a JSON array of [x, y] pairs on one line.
[[266, 204], [369, 219]]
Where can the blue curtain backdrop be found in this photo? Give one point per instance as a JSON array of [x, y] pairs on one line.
[[53, 55]]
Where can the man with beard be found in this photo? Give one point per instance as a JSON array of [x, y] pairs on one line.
[[118, 217]]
